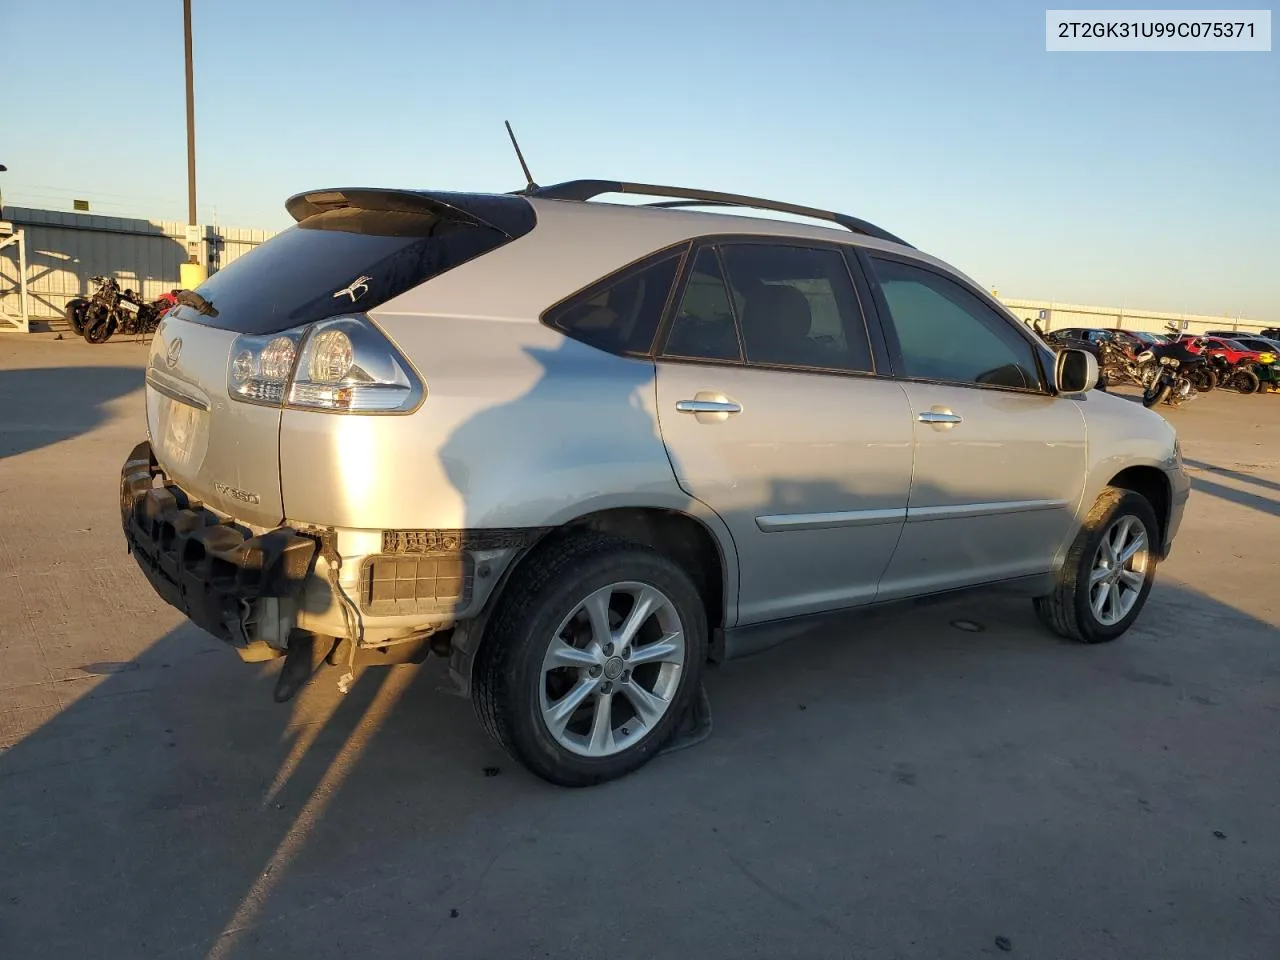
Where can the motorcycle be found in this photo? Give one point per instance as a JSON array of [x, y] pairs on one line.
[[1171, 372], [1238, 376], [111, 309], [1119, 365]]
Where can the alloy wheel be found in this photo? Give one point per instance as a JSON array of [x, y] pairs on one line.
[[1120, 569], [612, 669]]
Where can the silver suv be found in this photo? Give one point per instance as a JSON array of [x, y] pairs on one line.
[[582, 448]]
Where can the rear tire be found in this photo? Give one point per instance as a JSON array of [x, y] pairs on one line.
[[1100, 592], [570, 715], [76, 310], [1245, 381], [1203, 380]]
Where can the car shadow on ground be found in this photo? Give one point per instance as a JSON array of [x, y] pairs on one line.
[[186, 814], [42, 406], [1264, 501]]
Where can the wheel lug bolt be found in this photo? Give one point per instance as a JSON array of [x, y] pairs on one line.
[[626, 676], [626, 653], [594, 671], [608, 649], [607, 687]]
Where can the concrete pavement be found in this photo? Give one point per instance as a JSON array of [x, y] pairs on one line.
[[897, 789]]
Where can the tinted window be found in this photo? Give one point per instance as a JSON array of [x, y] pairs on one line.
[[946, 333], [797, 307], [292, 279], [621, 314], [703, 327]]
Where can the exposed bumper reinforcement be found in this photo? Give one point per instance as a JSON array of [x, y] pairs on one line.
[[240, 587]]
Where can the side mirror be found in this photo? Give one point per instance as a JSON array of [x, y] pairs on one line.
[[1076, 371]]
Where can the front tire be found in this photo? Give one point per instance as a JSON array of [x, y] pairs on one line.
[[594, 654], [98, 326], [1108, 573], [1156, 393]]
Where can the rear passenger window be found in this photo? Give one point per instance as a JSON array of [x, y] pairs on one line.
[[703, 328], [621, 313], [797, 307]]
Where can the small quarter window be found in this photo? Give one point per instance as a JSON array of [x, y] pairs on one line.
[[621, 313]]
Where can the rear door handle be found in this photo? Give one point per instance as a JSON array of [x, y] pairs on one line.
[[939, 416], [708, 406]]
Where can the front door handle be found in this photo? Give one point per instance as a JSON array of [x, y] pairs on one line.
[[708, 406]]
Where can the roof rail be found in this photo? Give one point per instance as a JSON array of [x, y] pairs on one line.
[[584, 190]]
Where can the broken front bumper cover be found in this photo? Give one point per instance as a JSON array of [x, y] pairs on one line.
[[243, 588]]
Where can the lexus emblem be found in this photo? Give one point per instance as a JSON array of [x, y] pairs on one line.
[[175, 349], [355, 290]]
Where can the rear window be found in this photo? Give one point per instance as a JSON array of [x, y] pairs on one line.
[[340, 260]]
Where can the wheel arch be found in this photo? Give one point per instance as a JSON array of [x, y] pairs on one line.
[[1152, 484], [684, 538], [699, 542]]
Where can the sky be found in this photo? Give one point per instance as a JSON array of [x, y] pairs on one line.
[[1144, 180]]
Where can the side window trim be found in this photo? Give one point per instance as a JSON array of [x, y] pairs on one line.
[[680, 250], [733, 304], [891, 336], [677, 296], [874, 313], [862, 292]]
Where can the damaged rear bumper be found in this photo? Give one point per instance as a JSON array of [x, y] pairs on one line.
[[244, 588]]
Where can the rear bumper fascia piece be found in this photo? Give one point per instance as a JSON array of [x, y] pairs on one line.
[[243, 587]]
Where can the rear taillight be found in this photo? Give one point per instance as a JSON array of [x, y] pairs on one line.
[[340, 365], [261, 367]]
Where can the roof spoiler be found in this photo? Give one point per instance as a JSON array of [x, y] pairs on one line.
[[583, 190], [507, 213]]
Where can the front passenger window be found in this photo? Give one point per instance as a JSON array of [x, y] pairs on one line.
[[945, 333]]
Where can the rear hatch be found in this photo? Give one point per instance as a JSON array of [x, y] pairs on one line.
[[351, 250]]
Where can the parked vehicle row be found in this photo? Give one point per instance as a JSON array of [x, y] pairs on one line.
[[111, 310], [1194, 363], [581, 448]]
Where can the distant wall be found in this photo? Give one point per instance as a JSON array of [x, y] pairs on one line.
[[65, 249], [1062, 315]]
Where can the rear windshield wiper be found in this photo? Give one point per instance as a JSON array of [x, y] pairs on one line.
[[189, 298]]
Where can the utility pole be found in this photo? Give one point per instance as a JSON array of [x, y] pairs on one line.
[[192, 272], [191, 115]]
